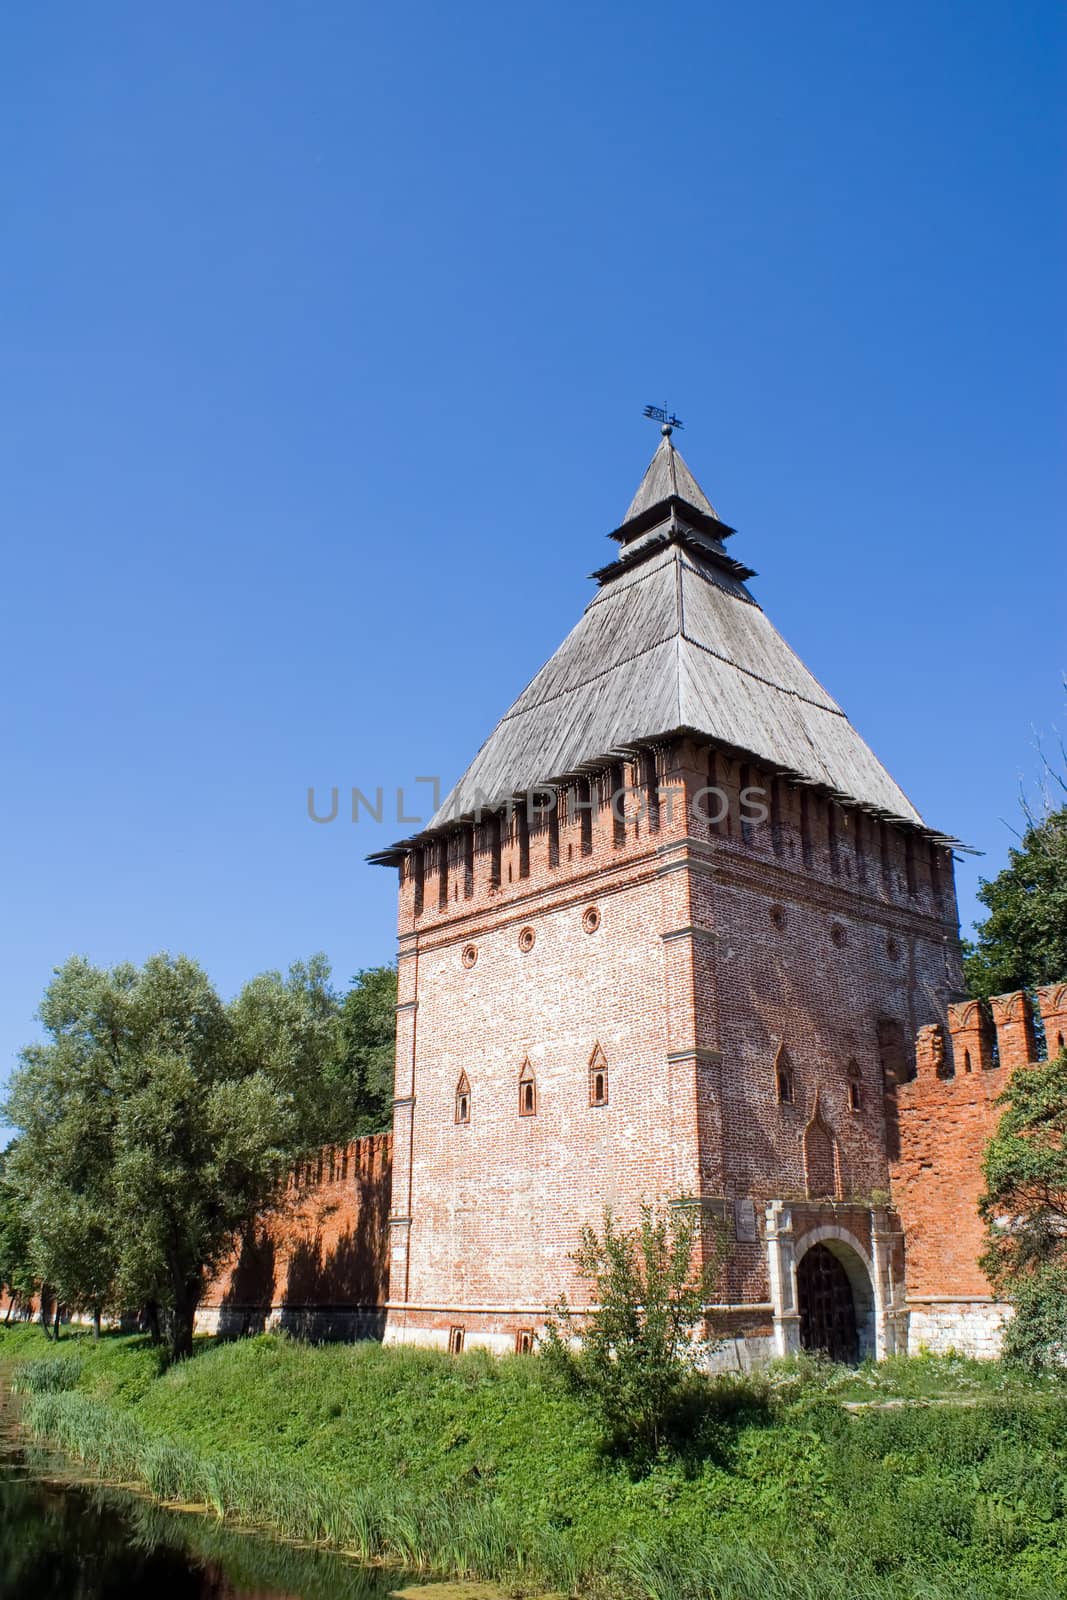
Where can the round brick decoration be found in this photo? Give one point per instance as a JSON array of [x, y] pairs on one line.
[[526, 940], [838, 935], [470, 955], [590, 919]]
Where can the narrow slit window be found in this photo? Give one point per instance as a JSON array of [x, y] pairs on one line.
[[418, 873], [598, 1078], [776, 816], [718, 799], [495, 849], [442, 880], [455, 1341], [523, 830], [831, 838], [553, 831], [585, 813], [527, 1091], [861, 854], [805, 828], [783, 1077], [651, 786], [463, 1099], [744, 783], [855, 1090], [617, 801], [468, 863], [524, 1341]]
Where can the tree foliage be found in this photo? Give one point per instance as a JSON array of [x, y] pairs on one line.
[[17, 1278], [1025, 1210], [156, 1121], [1023, 940], [368, 1049], [635, 1350]]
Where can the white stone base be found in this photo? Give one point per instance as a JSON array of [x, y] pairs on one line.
[[969, 1327], [499, 1344], [741, 1354]]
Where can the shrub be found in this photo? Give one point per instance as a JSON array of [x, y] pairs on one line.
[[635, 1351], [1036, 1337]]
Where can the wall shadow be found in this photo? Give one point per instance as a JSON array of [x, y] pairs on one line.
[[249, 1296], [337, 1290]]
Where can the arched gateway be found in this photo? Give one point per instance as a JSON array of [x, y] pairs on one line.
[[835, 1300]]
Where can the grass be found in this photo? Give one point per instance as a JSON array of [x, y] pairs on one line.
[[475, 1467]]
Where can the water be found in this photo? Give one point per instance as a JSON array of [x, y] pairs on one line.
[[63, 1537]]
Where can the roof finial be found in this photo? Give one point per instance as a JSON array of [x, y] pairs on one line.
[[664, 415]]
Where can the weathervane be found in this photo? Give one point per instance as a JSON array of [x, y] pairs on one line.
[[668, 419]]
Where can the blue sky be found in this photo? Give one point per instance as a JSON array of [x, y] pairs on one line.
[[326, 333]]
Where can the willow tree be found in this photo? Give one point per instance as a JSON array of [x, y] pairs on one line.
[[156, 1121]]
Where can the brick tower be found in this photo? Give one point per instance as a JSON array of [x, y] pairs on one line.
[[670, 936]]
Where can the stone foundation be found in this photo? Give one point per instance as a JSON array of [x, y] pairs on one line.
[[316, 1324], [741, 1354], [971, 1327]]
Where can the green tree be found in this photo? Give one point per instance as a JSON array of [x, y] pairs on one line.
[[156, 1122], [368, 1050], [1025, 1210], [17, 1277], [290, 1029], [635, 1351], [1023, 940]]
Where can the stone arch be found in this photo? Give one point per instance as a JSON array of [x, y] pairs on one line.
[[853, 1259]]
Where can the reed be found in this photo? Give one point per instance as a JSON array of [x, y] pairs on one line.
[[472, 1468], [458, 1536]]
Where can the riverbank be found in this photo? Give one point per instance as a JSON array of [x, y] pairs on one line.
[[478, 1468]]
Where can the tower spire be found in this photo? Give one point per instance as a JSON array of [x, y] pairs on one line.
[[668, 476]]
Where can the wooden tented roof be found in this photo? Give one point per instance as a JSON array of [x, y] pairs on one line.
[[673, 643]]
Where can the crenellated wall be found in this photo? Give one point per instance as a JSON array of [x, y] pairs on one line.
[[942, 1120], [318, 1265]]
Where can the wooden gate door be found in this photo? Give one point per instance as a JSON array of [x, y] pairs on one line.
[[827, 1309]]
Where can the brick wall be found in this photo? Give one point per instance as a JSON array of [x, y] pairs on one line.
[[319, 1264], [945, 1117]]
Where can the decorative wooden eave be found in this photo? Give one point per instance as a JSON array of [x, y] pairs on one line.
[[675, 523]]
